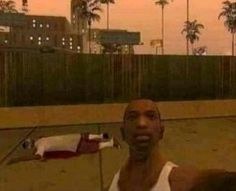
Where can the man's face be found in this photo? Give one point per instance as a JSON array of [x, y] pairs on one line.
[[142, 125]]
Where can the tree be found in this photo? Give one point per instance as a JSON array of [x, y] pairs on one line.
[[107, 2], [25, 6], [162, 3], [7, 6], [192, 30], [187, 40], [87, 9], [229, 13]]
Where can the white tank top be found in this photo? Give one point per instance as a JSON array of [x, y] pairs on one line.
[[162, 183], [67, 142]]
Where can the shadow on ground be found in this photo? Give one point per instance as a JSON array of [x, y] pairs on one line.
[[204, 143]]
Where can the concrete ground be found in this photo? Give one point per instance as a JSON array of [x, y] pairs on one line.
[[204, 143]]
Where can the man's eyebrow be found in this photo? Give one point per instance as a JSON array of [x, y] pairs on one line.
[[131, 111], [151, 111]]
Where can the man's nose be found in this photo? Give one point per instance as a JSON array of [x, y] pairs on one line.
[[142, 122]]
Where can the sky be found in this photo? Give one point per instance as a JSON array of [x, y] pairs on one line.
[[145, 17]]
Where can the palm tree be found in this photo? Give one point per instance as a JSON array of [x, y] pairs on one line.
[[107, 2], [192, 30], [7, 6], [229, 12], [25, 6], [162, 3], [87, 9], [187, 40]]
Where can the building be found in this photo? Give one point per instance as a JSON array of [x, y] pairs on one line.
[[38, 31], [114, 41], [35, 31]]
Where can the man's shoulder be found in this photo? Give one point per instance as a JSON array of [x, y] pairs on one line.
[[183, 177], [180, 172], [216, 179]]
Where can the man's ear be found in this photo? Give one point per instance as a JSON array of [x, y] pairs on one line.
[[162, 131], [122, 131]]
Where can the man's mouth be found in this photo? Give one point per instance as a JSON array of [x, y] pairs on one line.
[[142, 138]]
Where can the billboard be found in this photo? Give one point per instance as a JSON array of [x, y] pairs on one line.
[[119, 37], [12, 19], [156, 42]]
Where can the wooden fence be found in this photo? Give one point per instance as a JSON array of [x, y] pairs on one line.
[[28, 77]]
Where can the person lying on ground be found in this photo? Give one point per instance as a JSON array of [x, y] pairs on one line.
[[65, 146]]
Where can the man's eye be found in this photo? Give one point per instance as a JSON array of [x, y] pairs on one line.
[[131, 117], [151, 115]]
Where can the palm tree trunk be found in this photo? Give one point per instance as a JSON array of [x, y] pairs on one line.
[[107, 15], [192, 47], [231, 72], [187, 42], [187, 57], [233, 44], [162, 32]]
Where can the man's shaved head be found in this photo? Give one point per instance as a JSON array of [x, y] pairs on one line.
[[142, 128], [141, 102]]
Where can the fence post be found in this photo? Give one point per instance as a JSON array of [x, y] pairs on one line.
[[139, 75], [100, 163], [6, 78]]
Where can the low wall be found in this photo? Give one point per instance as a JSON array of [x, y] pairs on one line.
[[21, 117]]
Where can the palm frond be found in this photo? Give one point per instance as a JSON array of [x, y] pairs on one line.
[[99, 9], [192, 30], [184, 31], [7, 6], [162, 3], [107, 1], [226, 3], [229, 15], [88, 9], [95, 17]]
